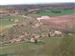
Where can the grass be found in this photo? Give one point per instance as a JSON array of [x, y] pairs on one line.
[[48, 47], [31, 49], [6, 20], [49, 13], [66, 48], [6, 23]]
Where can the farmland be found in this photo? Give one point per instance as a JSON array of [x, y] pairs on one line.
[[62, 12], [5, 20], [60, 19]]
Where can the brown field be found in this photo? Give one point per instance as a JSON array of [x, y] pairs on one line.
[[60, 21]]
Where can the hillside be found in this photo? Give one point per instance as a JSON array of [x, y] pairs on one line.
[[37, 30]]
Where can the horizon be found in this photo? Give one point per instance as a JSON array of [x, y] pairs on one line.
[[40, 3], [21, 2]]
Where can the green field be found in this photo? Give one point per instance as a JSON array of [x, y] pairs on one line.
[[50, 13]]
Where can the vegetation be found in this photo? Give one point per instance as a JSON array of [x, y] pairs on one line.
[[6, 20], [48, 47], [56, 12], [43, 48], [66, 48], [53, 46]]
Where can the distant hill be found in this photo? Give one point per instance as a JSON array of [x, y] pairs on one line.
[[34, 6]]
